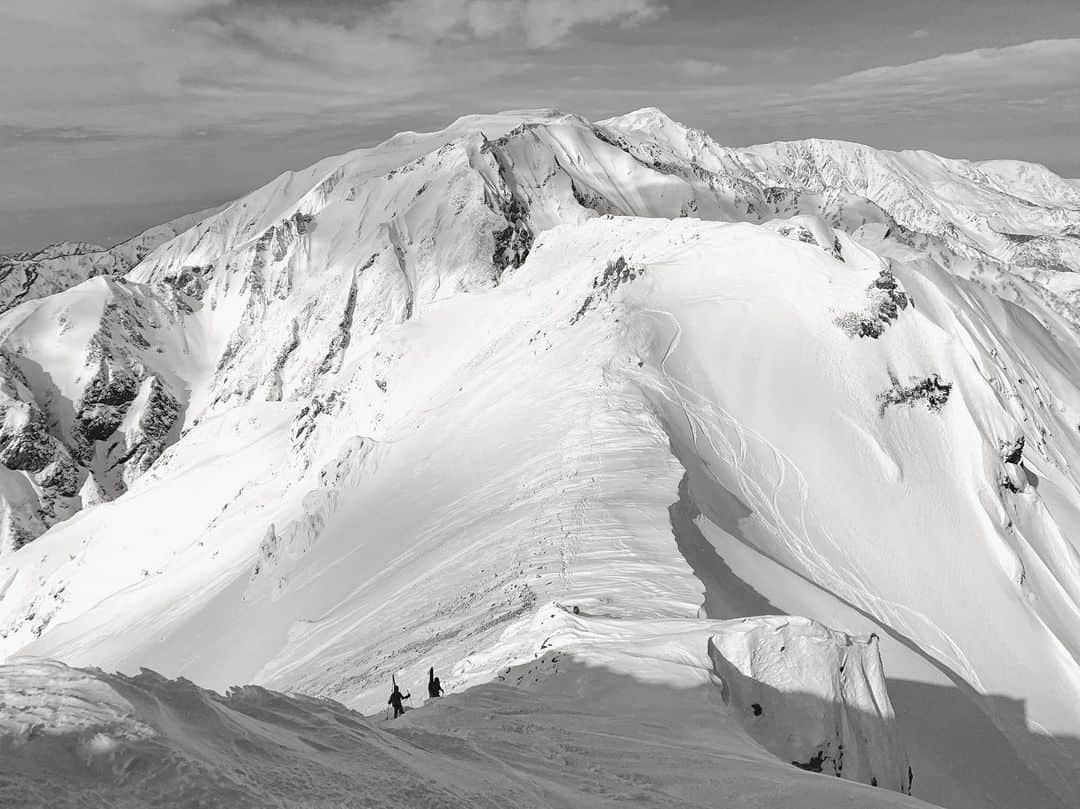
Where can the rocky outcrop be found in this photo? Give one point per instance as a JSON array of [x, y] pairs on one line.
[[615, 274], [931, 391], [190, 280], [152, 432], [81, 418], [50, 478], [130, 413], [1014, 477], [104, 401], [885, 301], [514, 241]]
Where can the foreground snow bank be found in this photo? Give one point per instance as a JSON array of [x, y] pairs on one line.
[[44, 697], [813, 696], [569, 735]]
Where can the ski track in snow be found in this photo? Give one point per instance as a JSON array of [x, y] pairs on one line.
[[767, 508]]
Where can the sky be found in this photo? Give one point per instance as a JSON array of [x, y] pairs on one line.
[[116, 115]]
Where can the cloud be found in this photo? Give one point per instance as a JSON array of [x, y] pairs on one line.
[[919, 33], [159, 67], [953, 87], [1045, 63], [14, 136], [548, 22], [700, 69], [540, 23]]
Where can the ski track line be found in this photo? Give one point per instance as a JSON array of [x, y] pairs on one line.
[[798, 542]]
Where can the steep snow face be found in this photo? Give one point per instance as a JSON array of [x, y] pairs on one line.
[[471, 396], [392, 229], [94, 382], [813, 696]]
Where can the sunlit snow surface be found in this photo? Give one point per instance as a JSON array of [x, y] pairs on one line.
[[403, 443]]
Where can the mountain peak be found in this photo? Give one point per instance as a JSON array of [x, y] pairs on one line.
[[651, 119]]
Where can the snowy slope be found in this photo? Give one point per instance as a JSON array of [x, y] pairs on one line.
[[81, 738], [413, 405], [1011, 212]]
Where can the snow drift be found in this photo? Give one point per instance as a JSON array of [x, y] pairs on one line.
[[813, 696], [75, 738]]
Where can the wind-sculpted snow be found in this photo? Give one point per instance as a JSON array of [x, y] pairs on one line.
[[78, 738], [814, 697], [471, 396]]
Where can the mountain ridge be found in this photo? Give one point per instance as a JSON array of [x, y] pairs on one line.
[[412, 403]]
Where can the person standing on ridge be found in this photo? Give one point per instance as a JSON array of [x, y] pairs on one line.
[[396, 698], [434, 687]]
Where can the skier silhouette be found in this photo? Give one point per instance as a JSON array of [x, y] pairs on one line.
[[434, 687], [396, 698]]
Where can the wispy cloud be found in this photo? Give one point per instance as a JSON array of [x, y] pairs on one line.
[[950, 87], [1045, 64], [152, 67], [701, 69], [14, 136], [539, 23]]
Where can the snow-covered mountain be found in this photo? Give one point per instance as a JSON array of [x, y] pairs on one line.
[[533, 385], [30, 275]]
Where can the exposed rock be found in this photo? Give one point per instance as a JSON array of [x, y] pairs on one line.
[[104, 402], [798, 233], [190, 280], [159, 416], [886, 301], [305, 421], [25, 443], [82, 450], [587, 198], [340, 341], [931, 391], [1012, 451], [616, 273], [1014, 477], [514, 241]]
